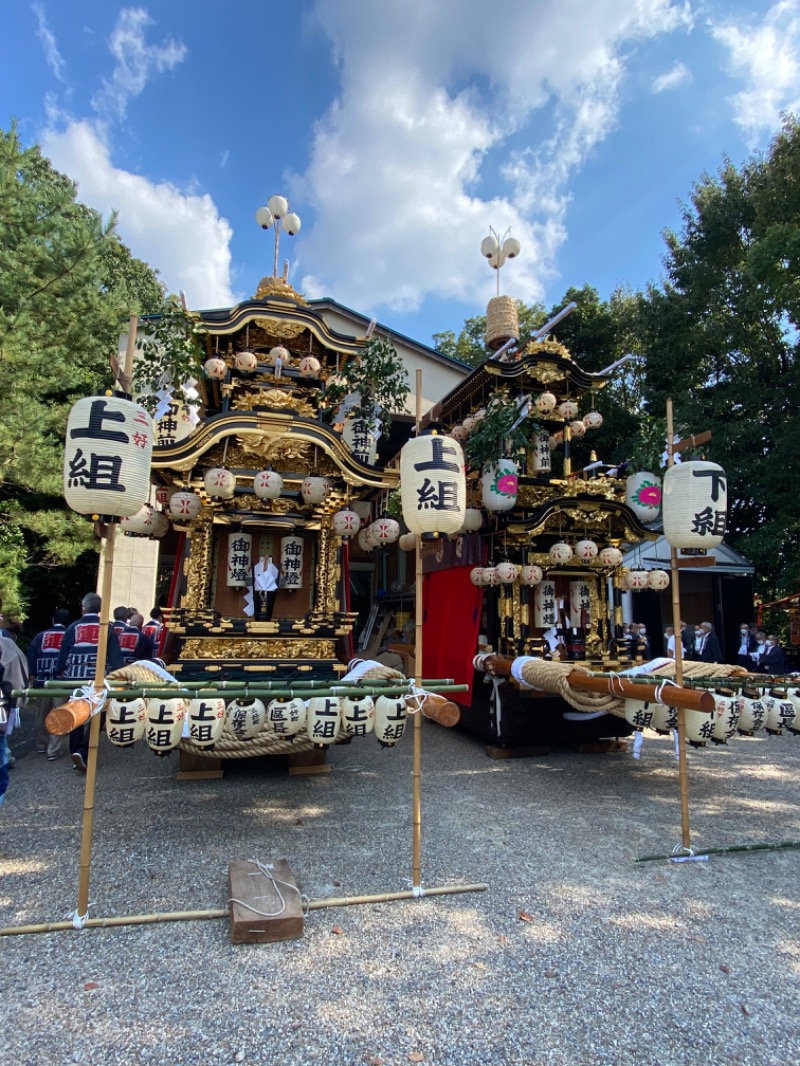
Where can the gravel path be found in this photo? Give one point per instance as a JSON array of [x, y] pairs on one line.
[[575, 955]]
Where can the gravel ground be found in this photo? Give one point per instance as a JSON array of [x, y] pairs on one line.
[[574, 955]]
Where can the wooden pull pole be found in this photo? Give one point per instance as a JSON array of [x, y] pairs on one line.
[[416, 861]]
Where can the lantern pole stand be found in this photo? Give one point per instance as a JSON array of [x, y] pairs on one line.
[[676, 629], [416, 861]]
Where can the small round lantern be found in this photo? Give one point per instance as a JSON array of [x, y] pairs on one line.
[[323, 721], [220, 483], [636, 580], [577, 429], [695, 505], [643, 495], [530, 575], [610, 556], [560, 553], [364, 543], [459, 433], [506, 572], [555, 440], [593, 420], [286, 717], [345, 523], [142, 522], [585, 550], [184, 505], [390, 719], [245, 718], [279, 354], [407, 542], [160, 525], [469, 423], [545, 403], [658, 580], [315, 489], [477, 576], [310, 366], [206, 721], [490, 575], [267, 485], [385, 531], [371, 535], [473, 520], [245, 362], [163, 495], [216, 368], [568, 410]]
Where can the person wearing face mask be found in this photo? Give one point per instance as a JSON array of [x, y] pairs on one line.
[[707, 644], [773, 661], [747, 645], [669, 642], [761, 647], [640, 634]]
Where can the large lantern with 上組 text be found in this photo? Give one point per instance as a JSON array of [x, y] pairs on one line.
[[433, 487], [245, 718], [267, 485], [286, 717], [390, 719], [220, 483], [323, 722], [695, 505], [206, 721], [184, 505], [643, 495], [126, 721], [345, 523], [107, 455], [164, 724], [358, 715]]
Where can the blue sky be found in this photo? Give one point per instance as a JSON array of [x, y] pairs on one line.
[[400, 131]]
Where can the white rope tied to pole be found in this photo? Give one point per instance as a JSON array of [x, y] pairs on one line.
[[416, 696], [417, 891], [96, 698], [79, 920]]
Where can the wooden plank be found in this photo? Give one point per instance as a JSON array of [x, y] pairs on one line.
[[600, 747], [517, 753], [264, 910], [308, 762], [193, 767]]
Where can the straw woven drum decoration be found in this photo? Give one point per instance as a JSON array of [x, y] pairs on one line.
[[502, 317]]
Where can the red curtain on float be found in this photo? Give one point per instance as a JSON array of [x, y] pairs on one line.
[[450, 625]]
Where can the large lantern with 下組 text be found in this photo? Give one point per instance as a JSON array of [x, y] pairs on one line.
[[107, 456], [433, 486], [695, 505]]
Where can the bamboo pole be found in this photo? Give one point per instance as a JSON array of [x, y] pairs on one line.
[[726, 849], [94, 728], [416, 843], [190, 916], [683, 770]]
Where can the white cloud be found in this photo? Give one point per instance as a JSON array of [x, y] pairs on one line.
[[179, 234], [136, 62], [767, 58], [46, 36], [401, 161], [679, 74]]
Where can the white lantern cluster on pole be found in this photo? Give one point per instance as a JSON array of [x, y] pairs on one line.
[[107, 456], [277, 214], [695, 505], [433, 486]]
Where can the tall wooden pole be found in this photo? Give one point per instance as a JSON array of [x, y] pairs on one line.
[[416, 869], [676, 629]]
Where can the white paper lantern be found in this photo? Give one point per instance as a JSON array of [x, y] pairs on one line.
[[726, 717], [585, 550], [390, 719], [555, 441], [490, 575], [577, 429], [506, 572], [579, 604], [245, 718], [267, 485], [240, 560], [142, 523], [345, 523], [593, 420], [360, 436], [407, 542], [545, 612], [752, 714], [530, 575], [781, 713], [315, 489], [107, 456], [160, 525], [433, 488], [323, 722], [469, 423], [125, 721], [658, 580], [164, 494], [639, 714], [206, 721], [477, 576], [286, 717], [699, 727], [164, 724], [459, 433], [371, 535], [245, 362], [636, 580], [385, 531], [545, 403], [358, 716], [184, 505], [610, 556], [643, 495], [364, 543], [499, 484], [220, 483], [568, 410], [540, 451], [560, 552], [664, 718], [695, 505], [279, 359], [216, 368], [473, 520], [310, 366]]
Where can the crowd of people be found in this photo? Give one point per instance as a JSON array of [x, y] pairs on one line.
[[68, 651]]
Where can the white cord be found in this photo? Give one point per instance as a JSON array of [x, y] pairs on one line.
[[79, 920], [96, 698], [266, 870], [660, 690], [417, 891]]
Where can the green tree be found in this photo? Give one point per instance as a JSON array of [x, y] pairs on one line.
[[721, 339], [67, 285]]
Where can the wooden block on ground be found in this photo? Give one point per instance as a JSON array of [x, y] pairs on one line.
[[193, 767], [261, 910], [517, 753], [308, 762], [600, 747]]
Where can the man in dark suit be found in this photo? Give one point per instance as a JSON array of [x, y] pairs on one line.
[[773, 661], [747, 645], [708, 650]]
